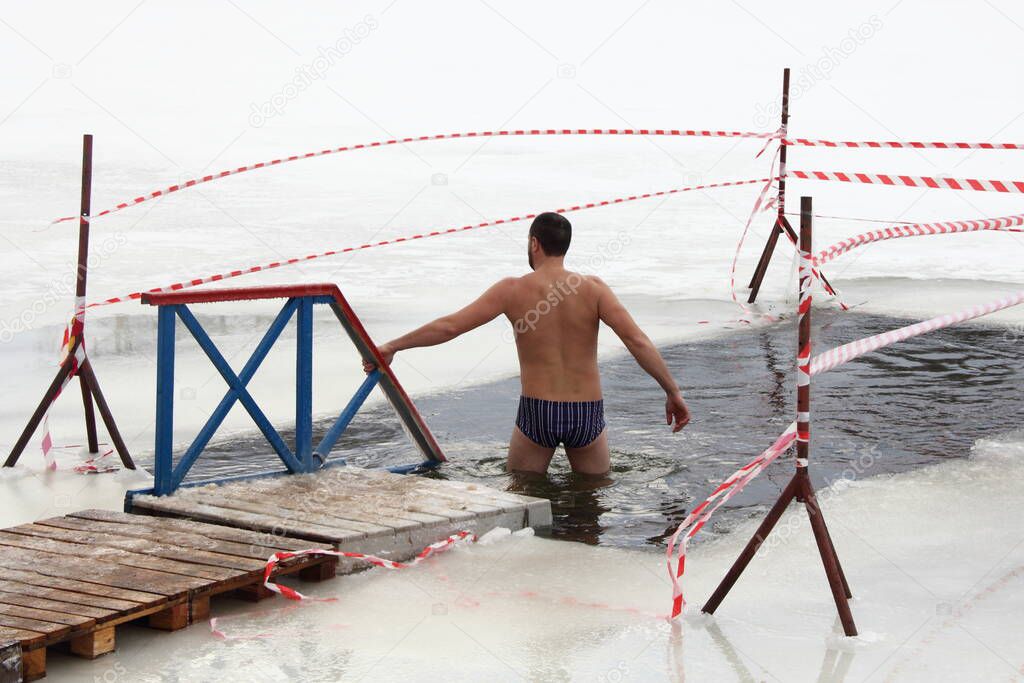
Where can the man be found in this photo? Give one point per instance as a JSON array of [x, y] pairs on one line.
[[555, 315]]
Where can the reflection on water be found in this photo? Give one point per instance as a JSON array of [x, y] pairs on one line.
[[927, 400]]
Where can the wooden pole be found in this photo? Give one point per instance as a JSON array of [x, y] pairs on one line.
[[80, 285], [799, 487], [829, 558], [769, 247]]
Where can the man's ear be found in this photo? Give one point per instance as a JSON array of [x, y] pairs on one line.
[[534, 244]]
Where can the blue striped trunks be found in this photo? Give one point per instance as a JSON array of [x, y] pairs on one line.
[[549, 423]]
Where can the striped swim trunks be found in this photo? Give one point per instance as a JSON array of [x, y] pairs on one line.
[[549, 423]]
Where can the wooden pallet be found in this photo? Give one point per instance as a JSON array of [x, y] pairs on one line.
[[73, 579], [354, 509]]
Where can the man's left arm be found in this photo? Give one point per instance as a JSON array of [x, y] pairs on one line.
[[486, 308]]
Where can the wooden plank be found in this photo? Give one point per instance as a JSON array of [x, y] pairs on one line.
[[216, 531], [316, 492], [367, 496], [407, 545], [27, 638], [103, 573], [473, 493], [170, 537], [15, 539], [246, 501], [193, 555], [505, 499], [51, 632], [82, 591], [399, 485], [356, 499], [396, 493], [369, 525], [366, 503], [55, 605], [311, 532], [46, 615]]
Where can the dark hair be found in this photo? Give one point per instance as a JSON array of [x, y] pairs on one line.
[[554, 233]]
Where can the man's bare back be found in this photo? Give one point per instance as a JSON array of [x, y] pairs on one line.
[[555, 315]]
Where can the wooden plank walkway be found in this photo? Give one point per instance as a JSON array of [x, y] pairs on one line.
[[73, 579], [70, 580], [353, 509]]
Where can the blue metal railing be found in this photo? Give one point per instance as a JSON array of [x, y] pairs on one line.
[[168, 476]]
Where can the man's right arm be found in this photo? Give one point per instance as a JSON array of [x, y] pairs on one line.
[[615, 316]]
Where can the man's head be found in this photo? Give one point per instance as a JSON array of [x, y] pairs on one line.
[[550, 234]]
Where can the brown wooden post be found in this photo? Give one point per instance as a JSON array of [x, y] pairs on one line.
[[769, 247], [86, 376], [81, 277], [799, 487], [833, 570]]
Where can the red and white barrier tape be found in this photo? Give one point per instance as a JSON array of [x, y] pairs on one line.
[[939, 183], [277, 264], [425, 138], [99, 464], [759, 205], [844, 354], [49, 462], [893, 144], [803, 355], [1004, 223], [702, 513], [292, 594]]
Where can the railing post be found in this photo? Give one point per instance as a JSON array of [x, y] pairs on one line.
[[163, 465], [304, 384], [323, 449]]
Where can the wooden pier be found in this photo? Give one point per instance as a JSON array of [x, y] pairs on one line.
[[69, 581]]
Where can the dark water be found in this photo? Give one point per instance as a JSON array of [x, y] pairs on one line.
[[921, 402]]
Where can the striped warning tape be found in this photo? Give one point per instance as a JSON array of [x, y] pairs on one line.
[[1004, 223], [292, 594], [49, 461], [939, 183], [803, 355], [435, 233], [894, 144], [425, 138], [699, 516], [844, 354]]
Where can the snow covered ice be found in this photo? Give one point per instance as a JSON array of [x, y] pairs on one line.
[[934, 556]]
